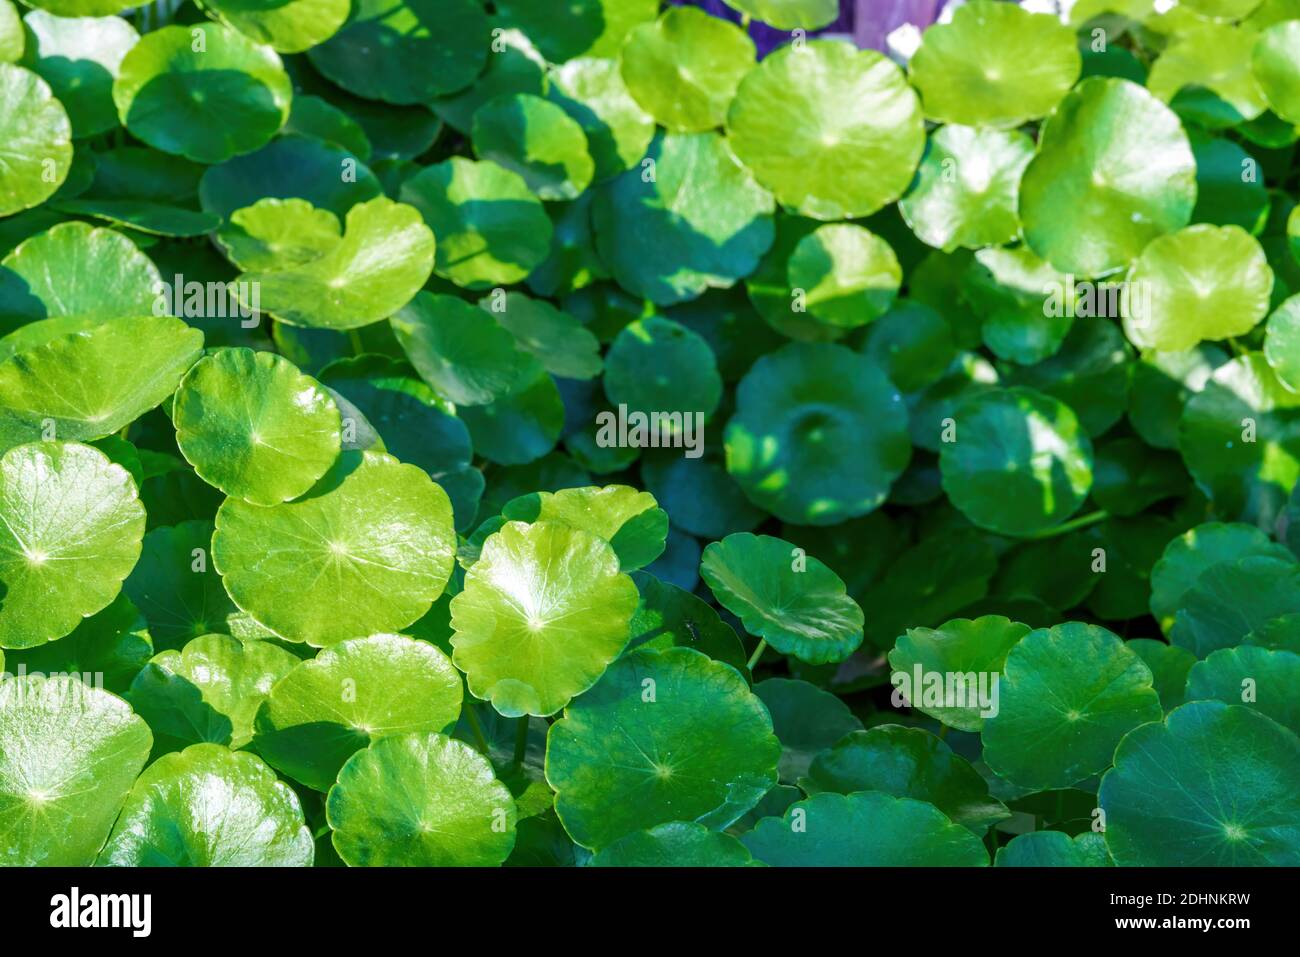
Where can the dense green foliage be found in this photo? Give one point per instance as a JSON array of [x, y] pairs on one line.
[[439, 432]]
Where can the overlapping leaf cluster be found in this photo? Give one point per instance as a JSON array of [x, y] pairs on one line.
[[313, 550]]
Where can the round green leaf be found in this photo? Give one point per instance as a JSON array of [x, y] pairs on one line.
[[478, 249], [665, 372], [461, 351], [68, 756], [1276, 64], [289, 27], [592, 92], [1213, 785], [1282, 343], [38, 140], [91, 383], [684, 68], [80, 58], [1019, 462], [628, 519], [71, 524], [78, 272], [833, 131], [664, 736], [289, 167], [1202, 282], [688, 219], [407, 51], [254, 426], [790, 600], [536, 139], [869, 829], [968, 187], [1068, 694], [112, 645], [923, 658], [420, 799], [806, 719], [906, 762], [209, 807], [1205, 73], [176, 588], [676, 844], [544, 610], [1054, 849], [1256, 677], [356, 692], [1192, 553], [1232, 599], [208, 691], [276, 234], [995, 64], [846, 276], [818, 436], [1240, 438], [383, 260], [1114, 170], [205, 92], [366, 551]]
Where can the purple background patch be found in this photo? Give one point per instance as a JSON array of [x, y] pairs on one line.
[[867, 21]]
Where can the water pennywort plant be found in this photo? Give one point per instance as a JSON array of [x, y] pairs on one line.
[[439, 432]]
